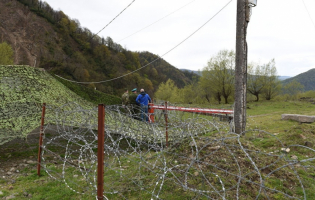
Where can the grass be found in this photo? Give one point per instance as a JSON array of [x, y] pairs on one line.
[[272, 134]]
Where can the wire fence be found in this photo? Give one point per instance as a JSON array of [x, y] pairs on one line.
[[204, 159]]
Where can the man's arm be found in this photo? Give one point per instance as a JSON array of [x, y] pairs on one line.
[[137, 99]]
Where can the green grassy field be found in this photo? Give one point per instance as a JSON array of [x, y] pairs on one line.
[[267, 133]]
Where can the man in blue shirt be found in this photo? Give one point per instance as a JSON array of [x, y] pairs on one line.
[[143, 99]]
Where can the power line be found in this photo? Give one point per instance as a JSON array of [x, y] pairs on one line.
[[156, 58], [113, 19], [156, 21], [308, 13]]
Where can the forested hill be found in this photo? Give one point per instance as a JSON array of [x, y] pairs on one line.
[[307, 79], [161, 70], [49, 39]]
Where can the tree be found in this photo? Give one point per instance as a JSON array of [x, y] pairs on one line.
[[191, 93], [262, 79], [6, 54], [256, 80], [273, 85], [167, 91], [293, 88], [218, 76]]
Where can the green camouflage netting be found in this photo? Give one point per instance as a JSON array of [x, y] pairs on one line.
[[23, 90]]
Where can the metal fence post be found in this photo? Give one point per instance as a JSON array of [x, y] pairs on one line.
[[100, 151], [41, 133], [151, 112], [166, 124]]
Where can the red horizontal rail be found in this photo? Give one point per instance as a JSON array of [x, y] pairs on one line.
[[195, 110]]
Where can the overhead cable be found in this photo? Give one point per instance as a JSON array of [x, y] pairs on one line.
[[112, 20], [308, 13], [156, 21], [156, 58]]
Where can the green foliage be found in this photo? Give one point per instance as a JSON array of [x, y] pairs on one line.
[[273, 86], [6, 54], [292, 89], [306, 79], [217, 77], [162, 70], [255, 80], [192, 94], [310, 93], [90, 94], [23, 90], [167, 91], [262, 80], [75, 53]]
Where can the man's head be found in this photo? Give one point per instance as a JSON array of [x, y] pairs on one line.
[[141, 90], [126, 90], [134, 90]]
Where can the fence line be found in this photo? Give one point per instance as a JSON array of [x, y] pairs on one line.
[[204, 159]]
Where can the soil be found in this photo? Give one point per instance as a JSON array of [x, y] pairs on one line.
[[18, 154]]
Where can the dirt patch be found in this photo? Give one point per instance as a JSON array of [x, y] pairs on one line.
[[18, 154]]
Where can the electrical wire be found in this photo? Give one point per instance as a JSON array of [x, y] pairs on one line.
[[113, 19], [156, 21], [156, 58], [308, 13]]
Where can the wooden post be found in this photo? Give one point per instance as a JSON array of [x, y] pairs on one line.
[[41, 133], [100, 151], [166, 124], [241, 67]]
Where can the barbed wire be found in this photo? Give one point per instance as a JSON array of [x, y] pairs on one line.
[[204, 158]]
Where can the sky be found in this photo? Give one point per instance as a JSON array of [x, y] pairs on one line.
[[283, 30]]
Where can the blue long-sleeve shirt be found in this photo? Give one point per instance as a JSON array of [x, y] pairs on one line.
[[143, 98]]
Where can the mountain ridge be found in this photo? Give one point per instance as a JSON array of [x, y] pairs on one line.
[[49, 39], [307, 79]]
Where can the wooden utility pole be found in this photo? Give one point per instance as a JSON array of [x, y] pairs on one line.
[[241, 66]]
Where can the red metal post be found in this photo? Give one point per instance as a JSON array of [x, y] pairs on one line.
[[41, 133], [166, 124], [100, 151], [151, 113]]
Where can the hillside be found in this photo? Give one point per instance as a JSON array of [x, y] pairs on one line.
[[49, 39], [307, 79]]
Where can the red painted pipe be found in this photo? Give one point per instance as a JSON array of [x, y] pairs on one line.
[[196, 110], [41, 133], [166, 124], [100, 151]]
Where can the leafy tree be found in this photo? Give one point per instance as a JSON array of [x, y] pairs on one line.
[[191, 93], [167, 91], [256, 79], [218, 76], [263, 80], [273, 84], [6, 54], [293, 88], [148, 86]]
